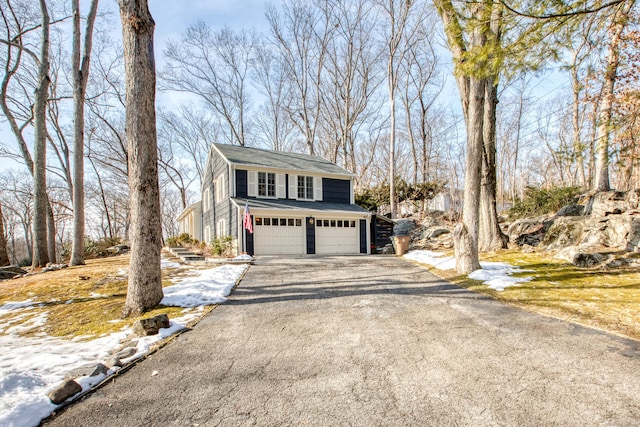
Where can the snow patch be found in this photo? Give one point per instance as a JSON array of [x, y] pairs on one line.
[[496, 275], [32, 366], [210, 286]]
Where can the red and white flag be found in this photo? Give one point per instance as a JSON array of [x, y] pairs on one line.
[[246, 219]]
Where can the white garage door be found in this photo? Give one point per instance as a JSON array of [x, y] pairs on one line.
[[279, 236], [337, 236]]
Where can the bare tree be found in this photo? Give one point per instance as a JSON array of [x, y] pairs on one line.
[[421, 88], [397, 13], [40, 248], [619, 21], [272, 122], [4, 256], [80, 70], [301, 35], [214, 66], [145, 285], [190, 132], [350, 77]]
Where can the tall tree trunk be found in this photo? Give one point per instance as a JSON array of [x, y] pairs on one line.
[[392, 154], [466, 241], [4, 256], [145, 286], [80, 72], [40, 248], [604, 119], [490, 238]]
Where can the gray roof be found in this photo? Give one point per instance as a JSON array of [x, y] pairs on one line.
[[283, 204], [279, 160]]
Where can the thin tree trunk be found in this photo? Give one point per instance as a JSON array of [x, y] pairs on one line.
[[604, 119], [4, 256], [392, 155], [40, 248], [490, 238], [80, 72], [578, 149], [145, 286], [51, 233]]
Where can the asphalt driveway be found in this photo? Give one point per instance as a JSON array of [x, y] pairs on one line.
[[371, 341]]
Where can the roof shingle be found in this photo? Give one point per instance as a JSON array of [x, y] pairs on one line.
[[279, 160]]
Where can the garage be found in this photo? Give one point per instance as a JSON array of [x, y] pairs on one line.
[[279, 236], [337, 236]]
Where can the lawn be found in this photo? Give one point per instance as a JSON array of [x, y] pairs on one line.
[[81, 301], [604, 299]]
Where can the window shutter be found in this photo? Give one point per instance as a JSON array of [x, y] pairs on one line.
[[223, 186], [252, 183], [281, 188], [317, 188], [293, 186]]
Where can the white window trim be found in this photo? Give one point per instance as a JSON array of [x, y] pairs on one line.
[[207, 235], [313, 187], [257, 193], [207, 200], [221, 228], [221, 188]]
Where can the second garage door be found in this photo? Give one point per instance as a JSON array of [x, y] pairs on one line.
[[279, 236], [337, 236]]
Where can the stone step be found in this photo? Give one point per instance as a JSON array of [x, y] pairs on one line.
[[192, 257]]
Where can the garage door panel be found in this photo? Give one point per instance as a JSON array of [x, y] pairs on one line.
[[278, 239], [332, 239]]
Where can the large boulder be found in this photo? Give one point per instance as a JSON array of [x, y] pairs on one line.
[[404, 227], [615, 231], [573, 209], [528, 231], [606, 203], [581, 256], [565, 231]]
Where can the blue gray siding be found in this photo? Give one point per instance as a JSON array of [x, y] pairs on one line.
[[221, 209], [336, 190]]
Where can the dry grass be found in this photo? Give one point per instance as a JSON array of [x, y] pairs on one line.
[[608, 300], [81, 301]]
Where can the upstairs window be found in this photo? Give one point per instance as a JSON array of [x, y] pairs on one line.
[[305, 187], [266, 184], [221, 188]]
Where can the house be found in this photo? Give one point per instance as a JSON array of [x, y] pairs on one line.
[[448, 200], [299, 204], [190, 221]]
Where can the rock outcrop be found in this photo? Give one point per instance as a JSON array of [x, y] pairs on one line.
[[583, 233]]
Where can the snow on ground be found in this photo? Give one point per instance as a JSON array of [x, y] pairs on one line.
[[208, 287], [32, 366], [496, 275]]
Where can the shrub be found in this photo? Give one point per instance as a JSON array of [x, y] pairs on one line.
[[180, 240], [222, 246], [25, 262], [540, 201]]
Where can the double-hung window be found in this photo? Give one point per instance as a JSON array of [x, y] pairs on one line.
[[266, 184], [305, 187]]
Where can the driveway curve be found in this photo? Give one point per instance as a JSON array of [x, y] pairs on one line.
[[371, 341]]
